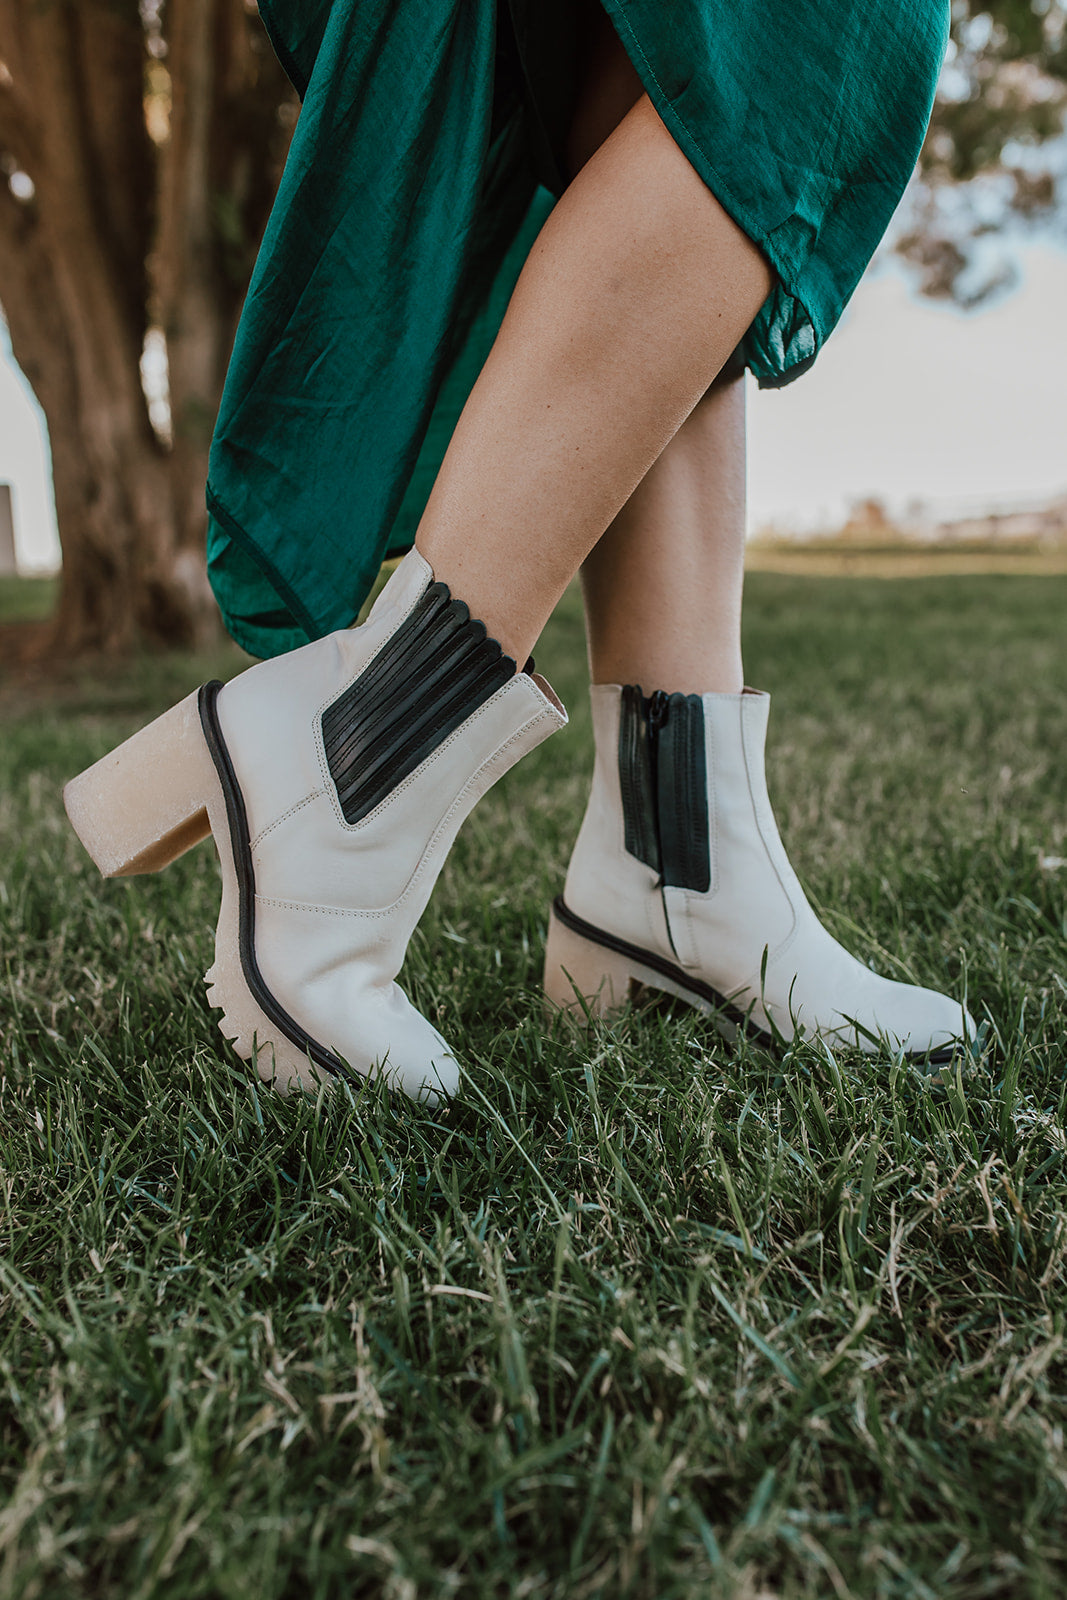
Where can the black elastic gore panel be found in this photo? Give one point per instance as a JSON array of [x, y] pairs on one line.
[[636, 784], [435, 671], [664, 787], [682, 796]]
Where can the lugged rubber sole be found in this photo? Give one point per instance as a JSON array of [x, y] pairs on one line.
[[141, 807]]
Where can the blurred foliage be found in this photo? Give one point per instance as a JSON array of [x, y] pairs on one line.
[[995, 159], [1006, 81]]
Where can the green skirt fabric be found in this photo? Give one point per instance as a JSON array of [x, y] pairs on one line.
[[424, 162]]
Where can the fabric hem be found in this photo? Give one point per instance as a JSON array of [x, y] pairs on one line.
[[300, 615], [782, 380], [277, 44]]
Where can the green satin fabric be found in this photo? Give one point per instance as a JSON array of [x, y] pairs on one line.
[[411, 197]]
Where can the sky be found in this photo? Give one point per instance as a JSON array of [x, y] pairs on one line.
[[24, 464], [908, 400], [912, 399]]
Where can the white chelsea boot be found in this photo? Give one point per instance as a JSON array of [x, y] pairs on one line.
[[334, 780], [679, 880]]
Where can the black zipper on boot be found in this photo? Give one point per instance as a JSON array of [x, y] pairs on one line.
[[663, 784], [681, 791], [659, 709], [637, 779]]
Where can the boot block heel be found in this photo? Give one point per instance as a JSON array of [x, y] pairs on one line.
[[583, 977], [145, 804]]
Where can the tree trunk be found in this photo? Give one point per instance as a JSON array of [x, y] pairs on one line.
[[218, 173], [76, 290]]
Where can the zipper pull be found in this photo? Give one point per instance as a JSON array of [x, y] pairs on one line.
[[658, 710]]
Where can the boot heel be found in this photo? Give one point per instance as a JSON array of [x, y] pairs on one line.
[[145, 804], [583, 977]]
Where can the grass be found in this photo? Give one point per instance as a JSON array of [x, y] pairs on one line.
[[907, 558], [27, 599], [642, 1314]]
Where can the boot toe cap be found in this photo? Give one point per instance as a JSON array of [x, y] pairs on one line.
[[383, 1034], [835, 997], [920, 1022]]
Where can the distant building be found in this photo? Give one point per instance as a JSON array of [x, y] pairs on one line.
[[869, 523], [1039, 524], [8, 564]]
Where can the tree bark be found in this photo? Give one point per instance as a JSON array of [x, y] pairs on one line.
[[77, 290]]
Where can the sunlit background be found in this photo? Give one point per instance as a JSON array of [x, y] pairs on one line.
[[930, 411], [912, 400]]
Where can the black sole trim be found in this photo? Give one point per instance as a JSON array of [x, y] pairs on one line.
[[246, 882], [704, 991], [666, 969]]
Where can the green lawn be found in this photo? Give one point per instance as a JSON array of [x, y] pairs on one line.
[[643, 1314], [26, 599]]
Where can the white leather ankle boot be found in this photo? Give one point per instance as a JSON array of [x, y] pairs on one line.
[[679, 880], [334, 780]]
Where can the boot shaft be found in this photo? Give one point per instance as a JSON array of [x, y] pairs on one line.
[[394, 731], [679, 824]]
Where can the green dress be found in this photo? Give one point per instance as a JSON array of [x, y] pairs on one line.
[[423, 165]]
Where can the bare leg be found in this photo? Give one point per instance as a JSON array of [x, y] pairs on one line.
[[662, 588], [662, 593], [637, 291]]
